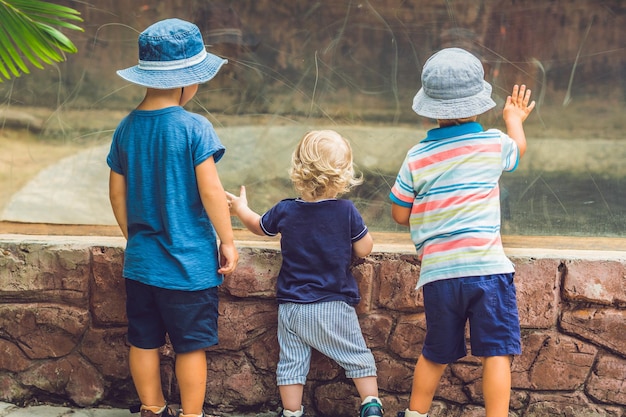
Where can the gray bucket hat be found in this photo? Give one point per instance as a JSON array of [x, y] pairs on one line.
[[172, 55], [453, 86]]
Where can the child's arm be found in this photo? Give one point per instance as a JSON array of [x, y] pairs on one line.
[[515, 112], [400, 214], [214, 202], [239, 207], [363, 247], [117, 196]]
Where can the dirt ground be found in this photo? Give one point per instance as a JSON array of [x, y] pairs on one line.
[[23, 155]]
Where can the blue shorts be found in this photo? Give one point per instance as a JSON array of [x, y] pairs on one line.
[[188, 317], [488, 302]]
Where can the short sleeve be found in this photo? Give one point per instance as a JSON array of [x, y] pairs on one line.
[[114, 158], [269, 221], [403, 192], [357, 226], [206, 143], [510, 153]]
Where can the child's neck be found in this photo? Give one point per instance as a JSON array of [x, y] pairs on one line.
[[455, 122], [314, 199], [160, 99]]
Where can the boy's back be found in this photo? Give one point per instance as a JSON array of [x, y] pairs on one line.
[[451, 180], [169, 231], [316, 246]]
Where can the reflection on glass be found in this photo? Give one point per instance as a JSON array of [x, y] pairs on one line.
[[353, 66]]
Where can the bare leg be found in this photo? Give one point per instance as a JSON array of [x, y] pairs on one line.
[[291, 396], [425, 381], [191, 374], [145, 369], [497, 385], [366, 386]]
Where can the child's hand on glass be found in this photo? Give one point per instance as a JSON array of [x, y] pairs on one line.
[[516, 105]]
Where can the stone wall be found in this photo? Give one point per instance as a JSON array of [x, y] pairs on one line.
[[62, 332]]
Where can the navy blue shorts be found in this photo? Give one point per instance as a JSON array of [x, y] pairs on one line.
[[188, 317], [488, 302]]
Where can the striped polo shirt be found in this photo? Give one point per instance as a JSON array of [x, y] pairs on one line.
[[450, 182]]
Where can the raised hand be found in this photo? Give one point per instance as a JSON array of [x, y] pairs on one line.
[[236, 203], [517, 104]]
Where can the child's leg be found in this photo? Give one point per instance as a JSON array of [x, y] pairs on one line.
[[291, 397], [366, 386], [497, 385], [191, 373], [425, 381], [146, 373], [294, 359], [495, 337], [337, 334], [371, 406]]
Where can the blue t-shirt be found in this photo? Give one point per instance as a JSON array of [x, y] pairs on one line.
[[316, 246], [171, 241]]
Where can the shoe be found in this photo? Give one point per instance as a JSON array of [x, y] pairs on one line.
[[165, 413], [403, 413], [168, 412], [291, 413], [371, 409]]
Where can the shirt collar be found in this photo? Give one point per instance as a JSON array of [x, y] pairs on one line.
[[451, 131]]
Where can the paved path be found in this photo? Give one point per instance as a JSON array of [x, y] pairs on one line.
[[12, 410]]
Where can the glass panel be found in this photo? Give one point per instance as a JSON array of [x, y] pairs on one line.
[[353, 66]]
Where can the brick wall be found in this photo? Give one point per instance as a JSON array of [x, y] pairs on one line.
[[62, 332]]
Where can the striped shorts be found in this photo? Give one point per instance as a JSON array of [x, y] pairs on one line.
[[332, 328]]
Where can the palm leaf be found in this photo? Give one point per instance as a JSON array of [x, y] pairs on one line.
[[28, 33]]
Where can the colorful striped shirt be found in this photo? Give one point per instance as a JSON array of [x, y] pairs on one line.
[[450, 182]]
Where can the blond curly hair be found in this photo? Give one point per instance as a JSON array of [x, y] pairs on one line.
[[322, 167]]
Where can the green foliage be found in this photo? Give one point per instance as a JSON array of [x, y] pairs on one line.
[[28, 32]]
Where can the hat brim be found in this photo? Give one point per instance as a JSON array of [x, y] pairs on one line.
[[176, 78], [457, 108]]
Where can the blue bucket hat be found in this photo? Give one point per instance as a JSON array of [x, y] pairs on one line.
[[172, 55], [453, 86]]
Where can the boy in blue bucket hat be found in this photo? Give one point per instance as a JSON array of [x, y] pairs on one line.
[[447, 193], [170, 205]]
